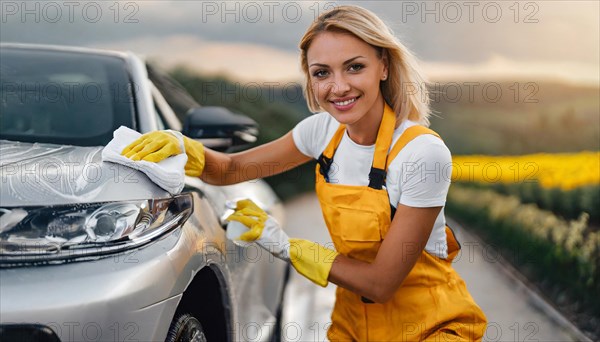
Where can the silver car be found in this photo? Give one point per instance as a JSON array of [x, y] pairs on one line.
[[94, 251]]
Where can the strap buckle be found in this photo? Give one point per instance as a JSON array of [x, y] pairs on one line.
[[376, 178], [325, 165]]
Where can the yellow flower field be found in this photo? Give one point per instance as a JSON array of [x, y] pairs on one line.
[[551, 170]]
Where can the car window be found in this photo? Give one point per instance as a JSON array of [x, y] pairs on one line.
[[63, 97], [175, 95]]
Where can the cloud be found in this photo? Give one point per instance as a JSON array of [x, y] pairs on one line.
[[536, 31], [240, 61], [500, 68], [250, 62]]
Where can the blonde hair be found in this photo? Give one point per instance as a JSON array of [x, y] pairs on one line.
[[405, 88]]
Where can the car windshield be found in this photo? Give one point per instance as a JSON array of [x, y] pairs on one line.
[[63, 97]]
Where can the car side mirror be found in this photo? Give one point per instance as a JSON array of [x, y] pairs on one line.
[[220, 129]]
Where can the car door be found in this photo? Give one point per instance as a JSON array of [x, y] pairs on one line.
[[258, 278]]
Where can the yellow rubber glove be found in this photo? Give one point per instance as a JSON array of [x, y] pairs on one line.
[[159, 145], [252, 216], [153, 147], [195, 153], [308, 258], [312, 260]]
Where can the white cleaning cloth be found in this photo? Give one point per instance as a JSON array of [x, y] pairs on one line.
[[169, 173]]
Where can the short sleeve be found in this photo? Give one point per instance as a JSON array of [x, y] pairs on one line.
[[310, 135], [426, 174]]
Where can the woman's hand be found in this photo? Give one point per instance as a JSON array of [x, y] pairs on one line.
[[399, 251], [263, 229], [253, 217], [153, 147], [160, 145], [196, 158], [308, 258]]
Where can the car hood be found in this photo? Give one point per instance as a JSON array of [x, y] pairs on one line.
[[48, 174]]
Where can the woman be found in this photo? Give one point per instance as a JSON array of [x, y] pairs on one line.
[[382, 180]]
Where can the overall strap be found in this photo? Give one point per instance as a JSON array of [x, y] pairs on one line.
[[407, 136], [326, 158], [382, 146]]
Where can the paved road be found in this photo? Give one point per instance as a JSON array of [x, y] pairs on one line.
[[513, 313]]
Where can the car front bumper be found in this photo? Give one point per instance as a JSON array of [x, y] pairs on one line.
[[125, 297]]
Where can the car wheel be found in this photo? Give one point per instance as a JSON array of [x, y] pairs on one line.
[[186, 328]]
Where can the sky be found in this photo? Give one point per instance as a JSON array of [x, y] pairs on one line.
[[257, 40]]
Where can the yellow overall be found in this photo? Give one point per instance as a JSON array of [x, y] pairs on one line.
[[432, 304]]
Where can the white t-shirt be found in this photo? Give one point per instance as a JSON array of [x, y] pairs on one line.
[[419, 176]]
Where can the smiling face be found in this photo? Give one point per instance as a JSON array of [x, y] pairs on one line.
[[345, 73]]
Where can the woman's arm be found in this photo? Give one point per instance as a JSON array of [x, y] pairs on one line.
[[262, 161], [397, 255], [423, 193]]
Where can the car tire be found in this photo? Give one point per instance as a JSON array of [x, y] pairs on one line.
[[185, 328]]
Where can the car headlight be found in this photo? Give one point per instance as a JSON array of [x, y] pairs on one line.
[[42, 234]]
